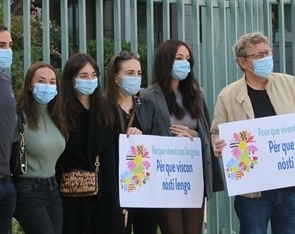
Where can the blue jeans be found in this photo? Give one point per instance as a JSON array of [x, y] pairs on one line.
[[278, 206], [7, 203], [39, 205]]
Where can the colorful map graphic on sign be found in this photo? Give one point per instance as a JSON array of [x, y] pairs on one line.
[[137, 173], [243, 155]]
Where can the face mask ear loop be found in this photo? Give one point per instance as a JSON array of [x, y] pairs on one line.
[[249, 70], [122, 80], [247, 67]]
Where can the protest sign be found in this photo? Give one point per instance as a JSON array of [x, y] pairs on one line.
[[259, 154], [157, 171]]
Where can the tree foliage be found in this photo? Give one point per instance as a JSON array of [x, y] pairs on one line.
[[17, 34]]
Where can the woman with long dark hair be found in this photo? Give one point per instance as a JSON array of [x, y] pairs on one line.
[[182, 111], [91, 123]]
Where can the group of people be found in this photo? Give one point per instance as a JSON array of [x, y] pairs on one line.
[[70, 121]]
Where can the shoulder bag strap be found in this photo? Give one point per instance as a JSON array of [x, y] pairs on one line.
[[131, 118], [21, 121], [137, 104], [21, 127]]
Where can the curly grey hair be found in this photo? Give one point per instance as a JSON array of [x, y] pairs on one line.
[[244, 41]]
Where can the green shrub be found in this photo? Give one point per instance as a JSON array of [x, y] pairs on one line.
[[17, 69], [16, 228]]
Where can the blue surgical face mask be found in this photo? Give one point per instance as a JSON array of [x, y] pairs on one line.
[[86, 87], [44, 93], [130, 85], [180, 69], [263, 67], [5, 58]]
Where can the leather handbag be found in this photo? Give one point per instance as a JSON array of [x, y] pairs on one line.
[[18, 160], [80, 183]]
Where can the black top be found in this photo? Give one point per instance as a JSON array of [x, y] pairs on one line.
[[126, 119], [7, 121], [261, 104], [89, 140]]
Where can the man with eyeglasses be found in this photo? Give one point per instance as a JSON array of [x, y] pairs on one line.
[[259, 93], [7, 121]]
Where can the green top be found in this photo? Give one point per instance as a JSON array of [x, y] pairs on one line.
[[43, 146]]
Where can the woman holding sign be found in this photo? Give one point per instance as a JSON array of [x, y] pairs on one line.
[[136, 116], [182, 111]]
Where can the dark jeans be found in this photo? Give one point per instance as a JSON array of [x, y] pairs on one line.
[[7, 203], [278, 206], [143, 220], [39, 205]]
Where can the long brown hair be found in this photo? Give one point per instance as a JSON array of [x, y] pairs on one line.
[[189, 87], [113, 68], [27, 103], [69, 95]]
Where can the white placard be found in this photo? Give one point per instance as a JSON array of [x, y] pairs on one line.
[[259, 154], [157, 171]]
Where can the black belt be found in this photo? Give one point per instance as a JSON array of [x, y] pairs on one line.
[[30, 180], [3, 176]]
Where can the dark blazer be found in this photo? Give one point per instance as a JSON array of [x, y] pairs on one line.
[[146, 117], [213, 181]]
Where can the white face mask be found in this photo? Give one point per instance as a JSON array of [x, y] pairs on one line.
[[86, 87], [180, 69], [263, 67], [130, 85], [5, 58], [44, 93]]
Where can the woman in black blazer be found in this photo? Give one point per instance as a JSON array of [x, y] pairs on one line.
[[122, 85]]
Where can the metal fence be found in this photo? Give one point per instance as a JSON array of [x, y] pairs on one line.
[[210, 26]]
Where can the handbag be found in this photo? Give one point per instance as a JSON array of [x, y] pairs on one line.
[[80, 183], [18, 159]]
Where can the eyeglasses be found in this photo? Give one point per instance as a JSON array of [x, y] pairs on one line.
[[128, 54], [260, 55]]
